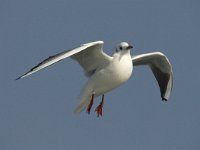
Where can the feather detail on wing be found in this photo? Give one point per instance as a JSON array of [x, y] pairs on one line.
[[161, 68], [90, 56]]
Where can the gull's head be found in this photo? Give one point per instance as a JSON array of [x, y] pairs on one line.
[[122, 48]]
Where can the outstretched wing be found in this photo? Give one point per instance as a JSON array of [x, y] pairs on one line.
[[161, 69], [90, 56]]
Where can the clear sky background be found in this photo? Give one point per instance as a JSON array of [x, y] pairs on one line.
[[36, 113]]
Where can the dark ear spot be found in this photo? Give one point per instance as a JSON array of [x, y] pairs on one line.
[[120, 48]]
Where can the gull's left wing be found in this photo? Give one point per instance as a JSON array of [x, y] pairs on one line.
[[90, 56], [161, 69]]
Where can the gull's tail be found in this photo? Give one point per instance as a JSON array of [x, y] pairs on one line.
[[85, 98]]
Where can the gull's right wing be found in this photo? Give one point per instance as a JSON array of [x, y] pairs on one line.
[[90, 56], [161, 68]]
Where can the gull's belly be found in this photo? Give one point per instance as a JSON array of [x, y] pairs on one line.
[[112, 76]]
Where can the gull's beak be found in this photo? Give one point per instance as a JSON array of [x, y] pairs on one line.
[[129, 47]]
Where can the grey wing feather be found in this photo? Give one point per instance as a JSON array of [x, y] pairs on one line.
[[92, 59], [161, 68], [80, 54]]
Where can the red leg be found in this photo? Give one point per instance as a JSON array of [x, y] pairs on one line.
[[99, 108], [90, 105]]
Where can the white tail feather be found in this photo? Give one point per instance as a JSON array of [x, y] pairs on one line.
[[82, 105], [85, 98]]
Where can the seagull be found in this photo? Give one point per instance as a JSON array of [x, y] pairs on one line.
[[106, 73]]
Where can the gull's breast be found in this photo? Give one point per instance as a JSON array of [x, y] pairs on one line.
[[112, 76]]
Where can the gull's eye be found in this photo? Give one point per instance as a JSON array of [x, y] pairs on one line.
[[120, 48], [116, 50]]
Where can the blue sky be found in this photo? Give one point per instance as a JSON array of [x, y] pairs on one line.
[[37, 112]]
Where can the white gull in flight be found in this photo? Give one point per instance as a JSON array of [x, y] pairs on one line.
[[106, 72]]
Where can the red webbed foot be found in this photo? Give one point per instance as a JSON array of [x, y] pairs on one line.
[[90, 105], [99, 108]]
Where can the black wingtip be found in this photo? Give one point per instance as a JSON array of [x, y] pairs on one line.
[[164, 99], [18, 78]]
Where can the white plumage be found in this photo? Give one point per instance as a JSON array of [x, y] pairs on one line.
[[108, 72]]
